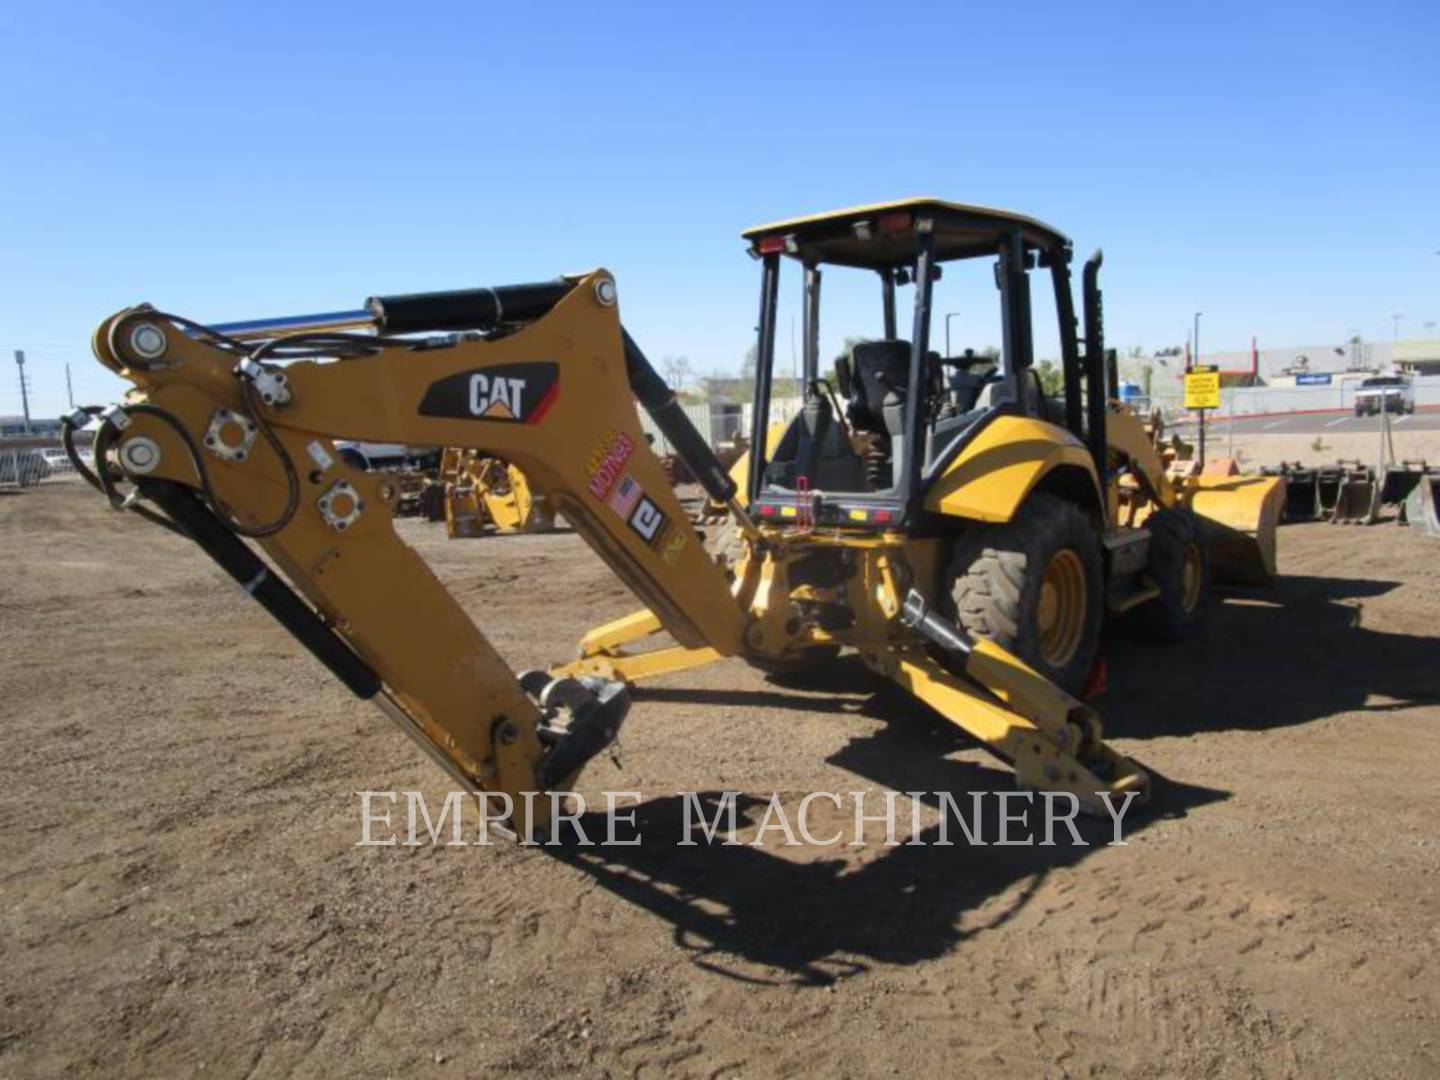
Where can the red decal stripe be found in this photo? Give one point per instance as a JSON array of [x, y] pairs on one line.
[[537, 413]]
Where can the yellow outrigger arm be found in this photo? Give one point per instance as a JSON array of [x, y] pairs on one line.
[[1053, 741]]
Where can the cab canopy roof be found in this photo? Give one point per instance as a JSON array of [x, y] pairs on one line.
[[884, 235]]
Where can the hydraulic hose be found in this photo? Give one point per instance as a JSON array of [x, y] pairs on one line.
[[257, 579], [664, 408]]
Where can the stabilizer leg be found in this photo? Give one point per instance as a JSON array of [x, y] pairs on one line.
[[631, 667], [1054, 741], [601, 652], [611, 636]]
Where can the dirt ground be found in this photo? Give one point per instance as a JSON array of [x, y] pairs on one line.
[[182, 890]]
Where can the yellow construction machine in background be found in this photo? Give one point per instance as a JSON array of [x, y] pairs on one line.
[[483, 494], [964, 534]]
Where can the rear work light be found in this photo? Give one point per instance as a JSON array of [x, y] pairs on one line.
[[774, 245]]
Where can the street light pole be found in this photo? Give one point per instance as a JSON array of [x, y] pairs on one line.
[[24, 390], [948, 317], [1395, 328]]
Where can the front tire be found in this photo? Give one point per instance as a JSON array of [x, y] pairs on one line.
[[1178, 567], [1035, 585]]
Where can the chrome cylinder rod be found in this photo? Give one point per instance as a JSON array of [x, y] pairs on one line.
[[257, 329]]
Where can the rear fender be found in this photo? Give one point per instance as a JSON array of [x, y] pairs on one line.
[[1005, 462]]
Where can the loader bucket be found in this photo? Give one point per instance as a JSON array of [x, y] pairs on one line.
[[1302, 495], [1420, 505], [1400, 480], [1357, 499], [1238, 516], [1327, 489]]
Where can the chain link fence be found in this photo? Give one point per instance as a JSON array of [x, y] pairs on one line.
[[32, 467]]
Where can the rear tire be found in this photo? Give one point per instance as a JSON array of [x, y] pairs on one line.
[[1177, 565], [1035, 585]]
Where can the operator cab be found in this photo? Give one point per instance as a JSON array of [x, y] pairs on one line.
[[893, 413]]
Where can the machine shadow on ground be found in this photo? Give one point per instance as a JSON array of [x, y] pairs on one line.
[[1270, 659], [812, 915], [1267, 658]]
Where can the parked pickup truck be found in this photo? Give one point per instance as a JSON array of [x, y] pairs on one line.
[[1385, 393]]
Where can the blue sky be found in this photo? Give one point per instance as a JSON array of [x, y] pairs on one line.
[[1275, 166]]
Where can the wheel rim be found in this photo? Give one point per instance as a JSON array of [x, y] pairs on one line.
[[1060, 615], [1192, 578]]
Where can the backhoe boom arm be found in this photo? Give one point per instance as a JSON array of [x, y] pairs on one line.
[[227, 442]]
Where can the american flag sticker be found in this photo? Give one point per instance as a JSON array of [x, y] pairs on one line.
[[624, 498]]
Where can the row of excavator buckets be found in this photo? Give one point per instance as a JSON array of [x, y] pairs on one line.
[[1351, 493]]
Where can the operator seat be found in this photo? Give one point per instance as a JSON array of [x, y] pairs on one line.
[[814, 446], [881, 377]]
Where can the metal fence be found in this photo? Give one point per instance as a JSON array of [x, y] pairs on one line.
[[1263, 400], [782, 411], [31, 468], [716, 422]]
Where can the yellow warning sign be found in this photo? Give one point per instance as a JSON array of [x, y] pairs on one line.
[[1202, 390]]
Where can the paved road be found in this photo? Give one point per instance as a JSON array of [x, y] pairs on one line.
[[1339, 423]]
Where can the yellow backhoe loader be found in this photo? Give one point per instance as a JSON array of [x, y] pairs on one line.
[[484, 493], [962, 532]]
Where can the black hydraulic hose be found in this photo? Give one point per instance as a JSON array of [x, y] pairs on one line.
[[257, 579], [103, 440], [67, 440], [294, 346], [102, 480], [664, 408], [106, 436], [292, 479]]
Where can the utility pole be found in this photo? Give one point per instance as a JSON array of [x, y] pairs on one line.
[[69, 390], [24, 394], [948, 317], [1395, 329]]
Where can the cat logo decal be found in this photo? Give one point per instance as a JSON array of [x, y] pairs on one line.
[[507, 393]]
